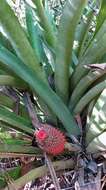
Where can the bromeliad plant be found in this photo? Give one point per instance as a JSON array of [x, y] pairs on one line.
[[56, 67]]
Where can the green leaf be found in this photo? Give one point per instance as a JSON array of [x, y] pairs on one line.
[[18, 38], [83, 85], [44, 22], [5, 42], [21, 149], [97, 45], [69, 20], [35, 34], [7, 80], [32, 30], [17, 122], [6, 69], [12, 76], [36, 40], [9, 103], [42, 171], [84, 32], [50, 15], [88, 97], [16, 141], [14, 173], [43, 90], [98, 144], [6, 101], [102, 16], [97, 121]]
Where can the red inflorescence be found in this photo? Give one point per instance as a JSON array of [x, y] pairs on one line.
[[50, 139], [41, 135]]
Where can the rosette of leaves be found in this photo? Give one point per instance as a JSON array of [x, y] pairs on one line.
[[57, 66]]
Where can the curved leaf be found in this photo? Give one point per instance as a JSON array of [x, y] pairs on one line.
[[102, 15], [43, 90], [17, 122], [42, 171], [97, 121], [7, 80], [18, 38], [9, 103], [69, 20], [92, 93], [98, 144], [25, 149], [84, 33], [6, 70], [98, 45], [47, 27], [83, 85], [6, 101], [35, 34]]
